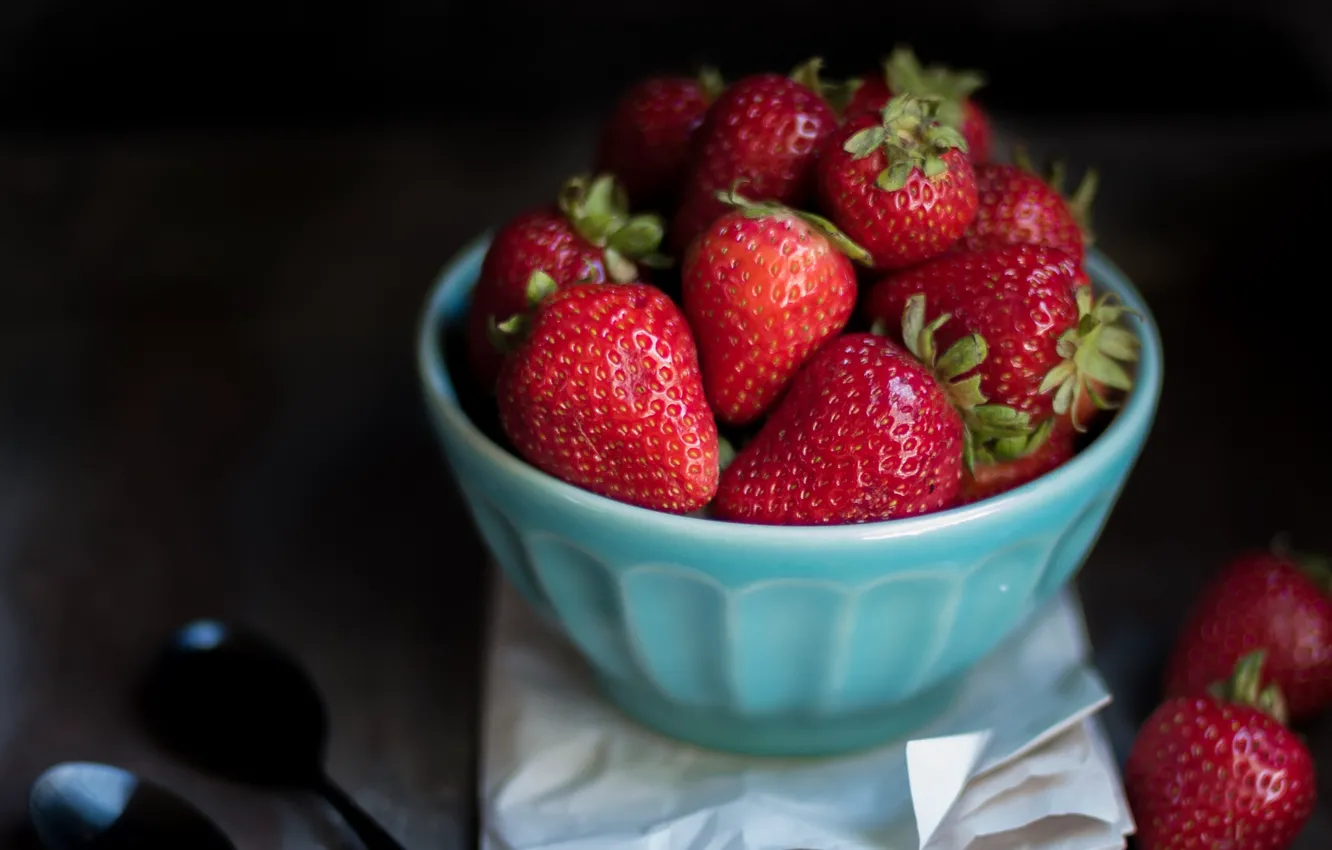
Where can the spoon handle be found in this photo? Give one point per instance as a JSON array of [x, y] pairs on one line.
[[372, 835]]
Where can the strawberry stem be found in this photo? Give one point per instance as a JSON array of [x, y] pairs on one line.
[[1094, 352], [1245, 687]]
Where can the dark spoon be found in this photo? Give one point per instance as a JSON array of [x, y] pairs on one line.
[[88, 806], [237, 705]]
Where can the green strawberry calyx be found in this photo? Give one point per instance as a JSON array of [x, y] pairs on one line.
[[1245, 687], [983, 424], [1080, 202], [838, 94], [1094, 352], [725, 453], [1315, 567], [1014, 446], [598, 208], [905, 75], [509, 334], [711, 82], [911, 138], [765, 209]]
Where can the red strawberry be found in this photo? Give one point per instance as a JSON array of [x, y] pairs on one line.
[[864, 433], [645, 141], [587, 236], [764, 130], [1220, 770], [1045, 342], [1271, 600], [902, 74], [603, 391], [990, 479], [901, 186], [764, 287], [1018, 207]]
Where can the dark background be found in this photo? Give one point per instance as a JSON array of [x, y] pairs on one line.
[[218, 222]]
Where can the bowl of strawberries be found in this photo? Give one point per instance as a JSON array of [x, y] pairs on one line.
[[785, 456]]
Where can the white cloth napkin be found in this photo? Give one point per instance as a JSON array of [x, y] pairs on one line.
[[1018, 763]]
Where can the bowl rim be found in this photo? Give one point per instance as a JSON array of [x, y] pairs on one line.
[[1134, 418]]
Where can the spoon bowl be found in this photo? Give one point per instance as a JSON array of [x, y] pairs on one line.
[[237, 705], [90, 806]]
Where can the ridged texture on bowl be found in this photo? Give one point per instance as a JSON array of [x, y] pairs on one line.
[[805, 627]]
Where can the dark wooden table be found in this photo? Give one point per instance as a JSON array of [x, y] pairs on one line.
[[208, 406]]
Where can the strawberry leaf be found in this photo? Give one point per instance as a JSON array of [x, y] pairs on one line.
[[864, 142], [1119, 343], [807, 74], [711, 82], [1014, 447], [641, 236], [1245, 687], [910, 137], [507, 335], [966, 394], [620, 268], [962, 356], [905, 75], [761, 209], [934, 166], [539, 285], [1094, 354], [997, 420]]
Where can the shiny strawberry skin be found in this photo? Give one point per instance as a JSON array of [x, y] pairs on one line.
[[1018, 207], [1208, 774], [538, 240], [765, 130], [645, 141], [1019, 298], [1260, 600], [873, 94], [903, 227], [865, 433], [991, 479], [762, 294], [605, 393]]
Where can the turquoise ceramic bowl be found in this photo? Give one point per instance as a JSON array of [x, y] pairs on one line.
[[772, 640]]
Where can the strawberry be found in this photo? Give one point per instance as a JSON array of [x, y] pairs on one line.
[[865, 433], [602, 390], [764, 130], [1047, 454], [902, 74], [1018, 207], [764, 286], [1046, 343], [900, 185], [1220, 770], [645, 141], [588, 235], [1273, 600]]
